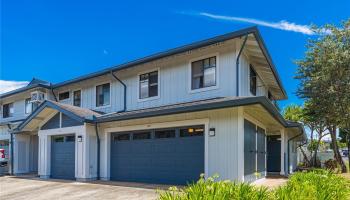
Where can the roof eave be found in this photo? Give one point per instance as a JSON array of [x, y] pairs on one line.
[[24, 89], [49, 104], [262, 100]]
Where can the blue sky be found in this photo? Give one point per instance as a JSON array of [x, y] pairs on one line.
[[60, 40]]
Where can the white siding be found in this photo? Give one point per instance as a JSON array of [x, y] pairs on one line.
[[18, 105], [244, 79], [225, 149], [174, 81]]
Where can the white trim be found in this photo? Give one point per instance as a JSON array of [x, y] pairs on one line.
[[171, 124], [50, 116], [217, 67], [45, 137], [110, 95], [138, 85], [283, 135], [64, 91], [2, 109], [31, 109], [81, 96], [254, 121], [62, 131]]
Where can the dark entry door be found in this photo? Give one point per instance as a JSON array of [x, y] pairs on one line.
[[63, 157], [249, 151], [273, 153], [170, 156]]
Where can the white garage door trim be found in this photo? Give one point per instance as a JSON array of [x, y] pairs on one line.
[[44, 168], [108, 131]]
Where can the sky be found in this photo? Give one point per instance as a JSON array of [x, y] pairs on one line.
[[59, 39]]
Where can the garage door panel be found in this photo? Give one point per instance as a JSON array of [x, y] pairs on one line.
[[172, 160], [63, 157]]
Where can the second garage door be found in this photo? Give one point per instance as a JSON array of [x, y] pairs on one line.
[[168, 156]]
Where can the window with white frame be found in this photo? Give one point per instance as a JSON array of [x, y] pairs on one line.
[[77, 98], [28, 106], [8, 110], [203, 73], [252, 80], [148, 85], [63, 96], [103, 95]]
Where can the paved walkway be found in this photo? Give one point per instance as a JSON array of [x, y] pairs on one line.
[[271, 182], [33, 188]]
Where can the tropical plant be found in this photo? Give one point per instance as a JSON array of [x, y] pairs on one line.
[[314, 185], [216, 190]]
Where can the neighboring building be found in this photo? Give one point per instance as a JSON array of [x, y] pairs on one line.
[[207, 107]]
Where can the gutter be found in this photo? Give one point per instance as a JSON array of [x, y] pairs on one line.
[[237, 65], [288, 162], [124, 86], [98, 151]]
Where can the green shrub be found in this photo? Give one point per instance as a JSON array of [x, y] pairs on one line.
[[216, 190], [314, 185]]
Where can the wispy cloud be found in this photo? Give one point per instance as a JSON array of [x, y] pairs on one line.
[[6, 86], [105, 52], [281, 25]]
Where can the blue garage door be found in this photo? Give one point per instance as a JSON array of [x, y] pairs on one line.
[[168, 156], [63, 157]]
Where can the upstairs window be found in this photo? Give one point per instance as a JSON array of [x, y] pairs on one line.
[[269, 95], [28, 107], [148, 85], [203, 73], [7, 110], [103, 95], [63, 96], [77, 98], [252, 80]]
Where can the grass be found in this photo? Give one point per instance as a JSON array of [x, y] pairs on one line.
[[347, 175], [314, 185]]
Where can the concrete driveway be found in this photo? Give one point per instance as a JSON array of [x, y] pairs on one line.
[[35, 188]]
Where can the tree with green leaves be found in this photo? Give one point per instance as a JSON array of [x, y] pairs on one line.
[[295, 113], [308, 118], [324, 75]]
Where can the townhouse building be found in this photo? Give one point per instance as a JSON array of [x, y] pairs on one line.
[[207, 107]]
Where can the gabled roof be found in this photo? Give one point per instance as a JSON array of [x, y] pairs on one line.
[[257, 43], [74, 112], [34, 83]]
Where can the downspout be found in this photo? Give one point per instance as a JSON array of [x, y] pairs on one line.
[[237, 65], [11, 142], [288, 161], [124, 86], [98, 151], [53, 92]]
